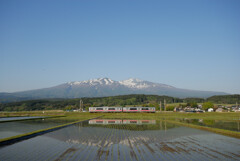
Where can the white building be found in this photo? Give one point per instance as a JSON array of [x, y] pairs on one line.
[[210, 110]]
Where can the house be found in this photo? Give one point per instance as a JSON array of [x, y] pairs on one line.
[[176, 109], [219, 110], [197, 109], [237, 109], [210, 110]]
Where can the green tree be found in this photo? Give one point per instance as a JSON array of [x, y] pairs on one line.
[[170, 107], [194, 104], [69, 107], [207, 105], [156, 105]]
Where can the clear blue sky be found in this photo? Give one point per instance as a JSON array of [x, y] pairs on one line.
[[192, 44]]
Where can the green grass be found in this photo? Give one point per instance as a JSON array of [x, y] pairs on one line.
[[226, 116]]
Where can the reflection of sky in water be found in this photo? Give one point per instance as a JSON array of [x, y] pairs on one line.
[[227, 125], [8, 129], [19, 118], [160, 141]]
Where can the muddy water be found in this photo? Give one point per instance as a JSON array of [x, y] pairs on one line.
[[157, 140]]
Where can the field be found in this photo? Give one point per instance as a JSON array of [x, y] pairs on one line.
[[166, 115], [124, 136], [173, 117]]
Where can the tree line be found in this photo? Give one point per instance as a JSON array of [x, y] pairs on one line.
[[123, 100]]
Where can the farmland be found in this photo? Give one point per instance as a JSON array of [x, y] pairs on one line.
[[149, 136]]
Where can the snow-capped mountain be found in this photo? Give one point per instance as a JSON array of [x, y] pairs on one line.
[[94, 82], [136, 83], [132, 83], [106, 87], [140, 84]]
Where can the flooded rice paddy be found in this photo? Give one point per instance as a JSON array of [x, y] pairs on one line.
[[8, 129], [124, 140], [220, 124], [19, 118]]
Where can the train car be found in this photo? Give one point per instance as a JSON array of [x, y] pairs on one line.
[[105, 109], [148, 109], [139, 109]]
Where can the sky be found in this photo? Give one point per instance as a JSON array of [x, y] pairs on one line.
[[191, 44]]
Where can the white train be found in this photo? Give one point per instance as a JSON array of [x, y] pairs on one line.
[[139, 109], [105, 109], [122, 109]]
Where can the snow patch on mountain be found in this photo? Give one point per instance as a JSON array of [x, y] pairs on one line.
[[135, 83], [132, 83], [93, 82]]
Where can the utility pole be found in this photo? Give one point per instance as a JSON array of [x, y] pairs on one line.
[[160, 106], [164, 105], [80, 105], [165, 125]]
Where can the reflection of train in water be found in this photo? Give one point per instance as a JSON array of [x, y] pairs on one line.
[[111, 121], [122, 109]]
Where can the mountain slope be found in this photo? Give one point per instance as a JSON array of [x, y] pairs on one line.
[[107, 87]]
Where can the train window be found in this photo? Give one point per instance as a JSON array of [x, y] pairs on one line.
[[133, 122], [99, 122], [111, 121], [111, 108], [133, 108], [145, 108], [99, 108]]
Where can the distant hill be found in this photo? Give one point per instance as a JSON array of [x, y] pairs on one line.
[[105, 87], [10, 97], [225, 99]]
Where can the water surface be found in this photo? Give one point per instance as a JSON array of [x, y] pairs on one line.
[[159, 141], [19, 118], [8, 129], [220, 124]]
